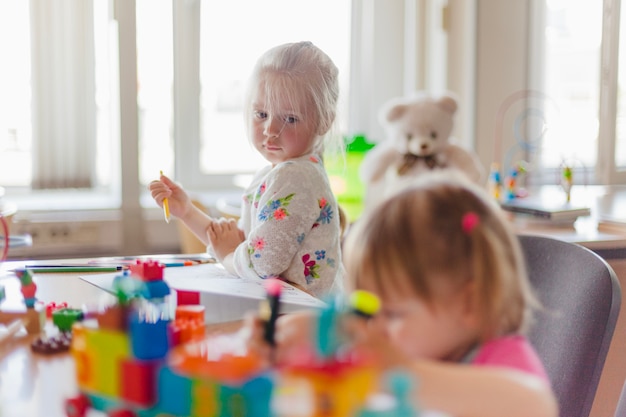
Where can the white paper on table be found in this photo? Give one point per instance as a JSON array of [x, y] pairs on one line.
[[226, 296]]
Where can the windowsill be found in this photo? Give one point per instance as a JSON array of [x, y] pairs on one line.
[[56, 202], [80, 223], [62, 200]]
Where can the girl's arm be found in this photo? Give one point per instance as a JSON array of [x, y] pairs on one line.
[[198, 222], [460, 390], [482, 391]]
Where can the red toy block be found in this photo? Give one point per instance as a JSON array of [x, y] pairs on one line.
[[147, 270], [122, 413], [187, 297], [174, 334], [77, 406], [138, 381], [29, 291], [51, 307]]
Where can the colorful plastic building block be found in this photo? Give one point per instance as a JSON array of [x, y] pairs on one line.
[[64, 318], [141, 359]]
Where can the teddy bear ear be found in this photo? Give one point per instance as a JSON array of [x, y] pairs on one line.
[[392, 110], [448, 103]]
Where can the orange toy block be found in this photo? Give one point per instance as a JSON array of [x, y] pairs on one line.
[[190, 312]]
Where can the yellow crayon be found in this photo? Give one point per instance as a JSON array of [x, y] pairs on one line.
[[166, 207]]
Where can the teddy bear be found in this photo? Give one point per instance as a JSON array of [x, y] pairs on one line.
[[418, 129]]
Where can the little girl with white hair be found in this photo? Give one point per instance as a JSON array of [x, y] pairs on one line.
[[289, 227]]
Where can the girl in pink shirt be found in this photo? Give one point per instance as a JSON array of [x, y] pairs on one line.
[[455, 301]]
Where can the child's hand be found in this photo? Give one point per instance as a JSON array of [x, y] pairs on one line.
[[369, 337], [224, 236], [252, 332], [179, 201], [293, 333]]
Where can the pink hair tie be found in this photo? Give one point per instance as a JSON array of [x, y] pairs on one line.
[[469, 221]]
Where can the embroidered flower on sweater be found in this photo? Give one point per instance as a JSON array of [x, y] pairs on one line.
[[326, 212], [310, 268], [255, 247], [276, 209], [248, 198]]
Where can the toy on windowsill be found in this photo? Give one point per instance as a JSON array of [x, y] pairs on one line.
[[508, 189], [567, 180], [149, 362], [513, 189], [495, 181]]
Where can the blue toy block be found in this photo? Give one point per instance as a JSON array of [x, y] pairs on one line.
[[174, 393], [327, 332], [401, 385], [149, 339], [252, 399], [155, 289]]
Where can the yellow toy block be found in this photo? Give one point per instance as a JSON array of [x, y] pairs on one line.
[[335, 393], [98, 354], [204, 398]]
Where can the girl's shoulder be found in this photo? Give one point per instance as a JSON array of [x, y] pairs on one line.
[[513, 351], [304, 165]]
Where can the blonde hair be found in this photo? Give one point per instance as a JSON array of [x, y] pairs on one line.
[[307, 75], [417, 238]]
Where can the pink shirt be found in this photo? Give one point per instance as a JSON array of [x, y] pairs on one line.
[[512, 351]]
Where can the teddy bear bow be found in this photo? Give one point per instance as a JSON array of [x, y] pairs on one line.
[[410, 160]]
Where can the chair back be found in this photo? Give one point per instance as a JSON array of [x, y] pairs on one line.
[[581, 298]]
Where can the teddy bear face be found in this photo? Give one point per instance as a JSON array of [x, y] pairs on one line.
[[421, 128]]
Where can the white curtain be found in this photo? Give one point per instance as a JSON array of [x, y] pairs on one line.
[[63, 93]]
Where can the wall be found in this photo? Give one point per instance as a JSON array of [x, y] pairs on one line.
[[89, 233]]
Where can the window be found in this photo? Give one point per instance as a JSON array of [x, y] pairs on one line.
[[548, 76], [56, 90], [584, 109], [15, 115], [193, 62], [229, 42], [620, 126], [572, 39], [60, 124]]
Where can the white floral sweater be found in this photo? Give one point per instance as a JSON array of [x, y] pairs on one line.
[[291, 222]]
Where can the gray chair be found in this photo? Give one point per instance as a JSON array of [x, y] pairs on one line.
[[581, 297]]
